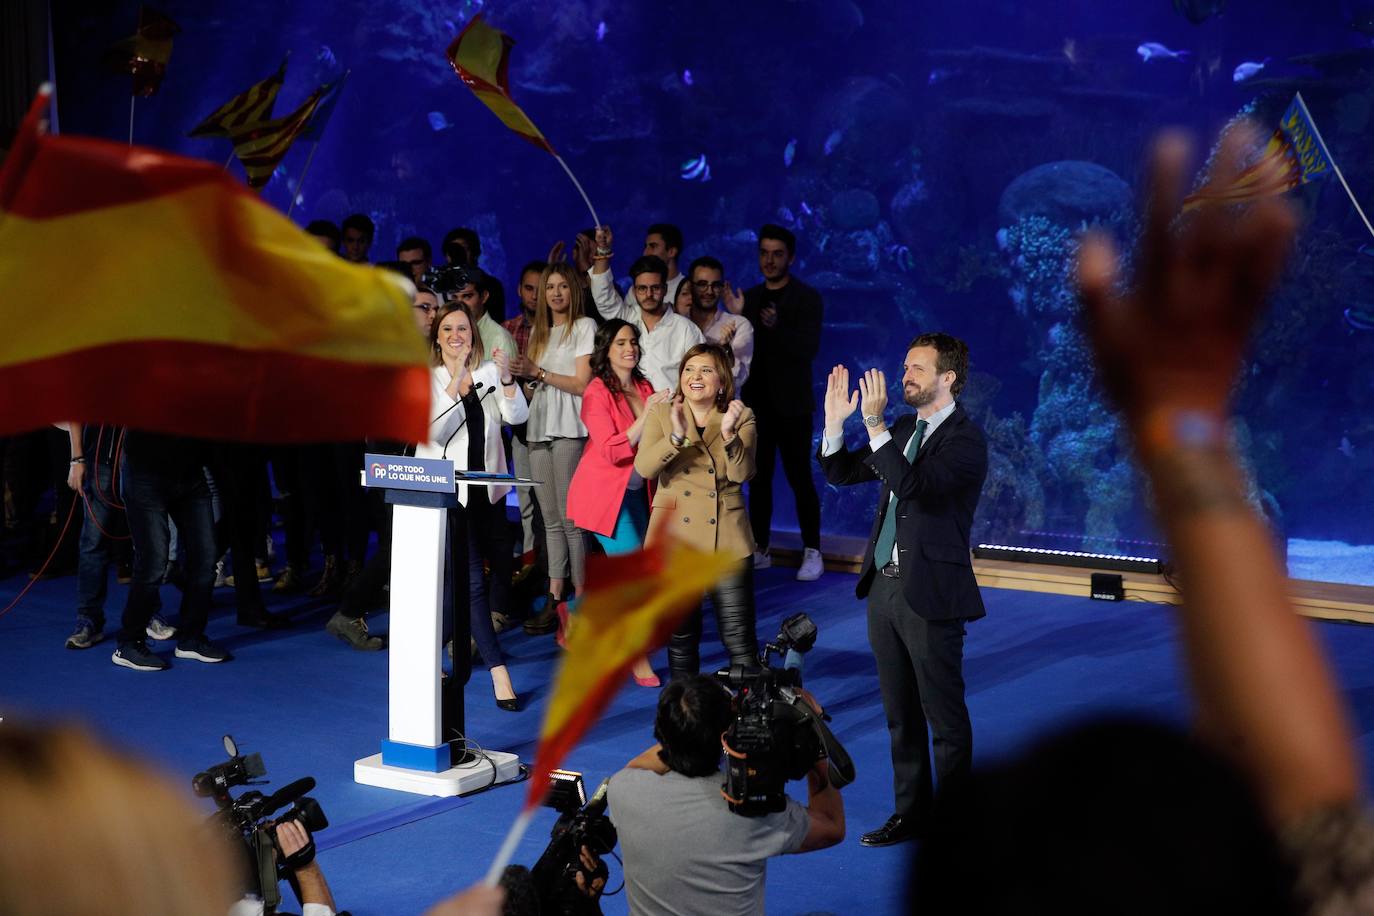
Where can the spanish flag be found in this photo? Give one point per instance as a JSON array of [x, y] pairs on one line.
[[148, 289], [633, 603], [144, 55], [250, 106], [1294, 155], [481, 56]]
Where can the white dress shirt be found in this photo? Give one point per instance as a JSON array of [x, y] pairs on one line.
[[661, 350], [741, 345]]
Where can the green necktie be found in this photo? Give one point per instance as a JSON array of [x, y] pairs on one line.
[[887, 534]]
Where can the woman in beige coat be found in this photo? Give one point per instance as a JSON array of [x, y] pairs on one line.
[[699, 448]]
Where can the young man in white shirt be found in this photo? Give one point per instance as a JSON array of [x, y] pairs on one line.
[[720, 326]]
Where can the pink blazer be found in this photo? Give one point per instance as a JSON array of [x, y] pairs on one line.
[[598, 484]]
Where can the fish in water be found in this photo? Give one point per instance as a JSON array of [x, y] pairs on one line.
[[1346, 448], [438, 122], [833, 141], [1070, 50], [938, 75], [1360, 317], [687, 77], [787, 216], [1152, 50], [806, 208], [789, 152], [601, 30], [696, 169], [1199, 11], [326, 56], [1248, 69]]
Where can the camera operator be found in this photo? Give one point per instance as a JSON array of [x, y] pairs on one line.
[[685, 851], [297, 852]]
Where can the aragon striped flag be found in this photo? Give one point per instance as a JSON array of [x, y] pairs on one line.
[[248, 107], [633, 603], [201, 310], [481, 56], [262, 145]]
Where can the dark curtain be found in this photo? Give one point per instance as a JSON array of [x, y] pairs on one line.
[[23, 60]]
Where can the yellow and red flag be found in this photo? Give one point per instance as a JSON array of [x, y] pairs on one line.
[[481, 56], [1293, 156], [633, 603], [248, 107], [262, 145], [196, 309], [144, 55]]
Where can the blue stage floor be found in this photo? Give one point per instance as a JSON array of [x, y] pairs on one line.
[[312, 706]]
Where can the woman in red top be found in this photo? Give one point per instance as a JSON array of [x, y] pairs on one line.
[[606, 496]]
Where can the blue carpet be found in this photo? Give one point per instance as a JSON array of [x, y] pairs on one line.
[[312, 706]]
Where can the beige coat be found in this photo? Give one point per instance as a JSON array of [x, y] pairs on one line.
[[700, 495]]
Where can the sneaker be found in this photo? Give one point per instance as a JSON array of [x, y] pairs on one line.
[[264, 572], [331, 580], [159, 629], [222, 580], [135, 655], [202, 650], [762, 560], [811, 565], [85, 635], [500, 622], [289, 581], [353, 630]]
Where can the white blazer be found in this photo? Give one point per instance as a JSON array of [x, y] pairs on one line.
[[448, 431]]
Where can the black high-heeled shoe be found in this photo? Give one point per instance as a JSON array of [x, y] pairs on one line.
[[511, 705]]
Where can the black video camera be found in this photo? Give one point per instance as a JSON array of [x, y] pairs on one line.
[[246, 820], [581, 823], [776, 735]]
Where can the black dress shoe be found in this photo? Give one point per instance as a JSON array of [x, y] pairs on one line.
[[511, 705], [262, 619], [898, 829]]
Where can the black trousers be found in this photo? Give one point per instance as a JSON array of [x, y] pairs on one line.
[[788, 438], [733, 601], [920, 675], [240, 473]]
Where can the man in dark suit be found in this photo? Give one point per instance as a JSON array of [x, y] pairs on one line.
[[916, 575]]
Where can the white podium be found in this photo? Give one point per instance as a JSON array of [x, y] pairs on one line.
[[416, 756]]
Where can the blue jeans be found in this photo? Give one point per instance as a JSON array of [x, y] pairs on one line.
[[99, 518], [151, 496]]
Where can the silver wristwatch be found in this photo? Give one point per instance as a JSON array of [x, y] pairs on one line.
[[872, 420]]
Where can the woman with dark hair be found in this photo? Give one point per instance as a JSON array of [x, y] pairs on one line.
[[699, 450], [471, 398], [606, 496]]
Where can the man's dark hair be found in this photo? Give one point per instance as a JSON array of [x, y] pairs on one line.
[[415, 242], [496, 296], [672, 235], [325, 229], [778, 234], [459, 240], [533, 267], [398, 267], [360, 222], [705, 261], [649, 264], [693, 713], [522, 896], [952, 356]]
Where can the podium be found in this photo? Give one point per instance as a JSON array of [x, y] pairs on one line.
[[417, 755]]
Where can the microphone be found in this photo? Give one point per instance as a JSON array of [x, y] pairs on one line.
[[287, 794]]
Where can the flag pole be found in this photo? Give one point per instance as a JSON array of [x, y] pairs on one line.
[[230, 161], [133, 98], [586, 200], [507, 850], [300, 184], [1336, 168]]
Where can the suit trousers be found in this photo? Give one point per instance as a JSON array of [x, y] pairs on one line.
[[790, 439], [920, 675]]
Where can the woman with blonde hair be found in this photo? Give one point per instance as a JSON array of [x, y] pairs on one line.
[[558, 363], [699, 449], [471, 398]]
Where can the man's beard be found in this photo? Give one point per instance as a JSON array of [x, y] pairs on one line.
[[920, 398]]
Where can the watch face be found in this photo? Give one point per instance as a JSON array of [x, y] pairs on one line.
[[872, 421]]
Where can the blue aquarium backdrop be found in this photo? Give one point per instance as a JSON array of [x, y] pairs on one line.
[[936, 161]]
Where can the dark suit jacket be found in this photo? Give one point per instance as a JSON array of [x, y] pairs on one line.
[[780, 382], [936, 498]]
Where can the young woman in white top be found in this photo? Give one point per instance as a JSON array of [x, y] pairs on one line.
[[470, 398], [558, 360]]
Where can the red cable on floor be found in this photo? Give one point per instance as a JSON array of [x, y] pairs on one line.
[[44, 568]]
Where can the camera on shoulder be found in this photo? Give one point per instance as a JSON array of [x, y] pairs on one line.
[[582, 822], [776, 736]]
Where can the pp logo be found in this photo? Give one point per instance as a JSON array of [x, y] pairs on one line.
[[378, 470]]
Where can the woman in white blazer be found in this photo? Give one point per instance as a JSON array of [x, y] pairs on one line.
[[470, 399]]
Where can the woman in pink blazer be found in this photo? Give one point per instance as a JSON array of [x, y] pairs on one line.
[[606, 496]]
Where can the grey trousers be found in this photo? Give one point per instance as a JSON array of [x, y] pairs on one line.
[[552, 463]]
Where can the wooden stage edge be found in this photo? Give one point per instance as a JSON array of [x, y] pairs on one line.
[[1322, 600]]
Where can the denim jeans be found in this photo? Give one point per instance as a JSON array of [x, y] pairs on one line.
[[100, 518], [152, 495]]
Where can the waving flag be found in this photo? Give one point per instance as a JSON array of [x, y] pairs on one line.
[[481, 55], [1293, 156], [144, 55], [329, 98], [248, 107], [204, 312], [264, 144]]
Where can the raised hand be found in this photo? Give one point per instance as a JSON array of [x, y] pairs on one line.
[[730, 421], [658, 397], [582, 253], [502, 363], [769, 316], [1174, 342], [556, 253], [729, 334], [840, 402], [521, 367], [873, 395], [677, 413], [733, 299], [605, 243]]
